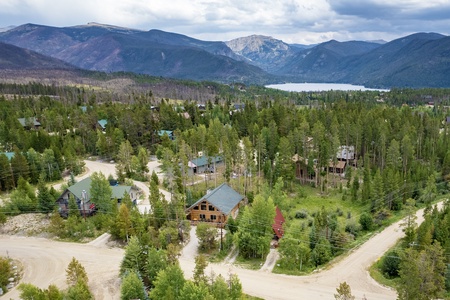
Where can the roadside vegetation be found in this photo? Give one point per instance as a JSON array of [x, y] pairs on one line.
[[278, 149], [417, 266]]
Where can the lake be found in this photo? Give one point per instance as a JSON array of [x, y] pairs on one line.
[[316, 87]]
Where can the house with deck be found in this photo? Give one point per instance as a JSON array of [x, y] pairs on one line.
[[204, 164], [216, 206], [81, 191]]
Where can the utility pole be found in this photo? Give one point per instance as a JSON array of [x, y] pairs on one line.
[[83, 201], [221, 233]]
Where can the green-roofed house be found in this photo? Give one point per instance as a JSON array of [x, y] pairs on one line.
[[216, 206], [204, 164], [102, 124], [169, 133], [81, 192], [9, 155], [29, 123]]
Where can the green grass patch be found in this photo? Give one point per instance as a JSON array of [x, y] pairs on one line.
[[277, 269], [251, 264]]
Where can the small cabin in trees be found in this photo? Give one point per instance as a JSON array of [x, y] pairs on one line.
[[81, 192], [102, 124], [337, 167], [8, 155], [169, 133], [29, 123], [204, 164], [305, 170], [216, 206]]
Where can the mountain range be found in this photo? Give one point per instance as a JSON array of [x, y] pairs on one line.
[[417, 60]]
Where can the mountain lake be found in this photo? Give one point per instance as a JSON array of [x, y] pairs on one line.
[[316, 87]]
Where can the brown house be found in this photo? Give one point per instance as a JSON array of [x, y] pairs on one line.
[[337, 167], [303, 170], [216, 206]]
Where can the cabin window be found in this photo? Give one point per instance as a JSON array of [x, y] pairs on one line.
[[211, 208], [213, 217], [203, 207], [196, 207], [202, 216]]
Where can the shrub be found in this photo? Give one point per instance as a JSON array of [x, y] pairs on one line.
[[2, 218], [366, 221], [5, 272], [301, 214], [381, 215], [352, 227], [390, 264]]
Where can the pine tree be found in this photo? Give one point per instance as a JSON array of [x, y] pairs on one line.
[[132, 287], [134, 258], [75, 273], [422, 274], [46, 203], [169, 284], [344, 292]]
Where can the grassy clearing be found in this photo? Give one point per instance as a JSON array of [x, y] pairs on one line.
[[251, 264]]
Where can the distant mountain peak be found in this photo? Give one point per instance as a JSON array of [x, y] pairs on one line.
[[106, 26], [263, 51]]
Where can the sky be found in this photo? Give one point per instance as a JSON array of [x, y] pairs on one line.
[[293, 21]]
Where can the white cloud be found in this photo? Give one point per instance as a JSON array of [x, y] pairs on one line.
[[302, 21]]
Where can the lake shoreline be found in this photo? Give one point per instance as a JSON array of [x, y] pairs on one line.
[[321, 87]]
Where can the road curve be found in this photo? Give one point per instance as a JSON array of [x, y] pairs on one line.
[[45, 262]]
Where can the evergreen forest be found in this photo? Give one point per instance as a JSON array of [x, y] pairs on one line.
[[279, 149]]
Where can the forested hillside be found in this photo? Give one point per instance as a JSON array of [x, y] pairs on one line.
[[278, 148]]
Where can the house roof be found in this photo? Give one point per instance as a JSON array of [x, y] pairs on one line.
[[278, 222], [9, 155], [162, 132], [338, 165], [223, 197], [23, 121], [85, 185], [102, 123], [203, 161]]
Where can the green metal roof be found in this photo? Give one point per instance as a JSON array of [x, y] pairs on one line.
[[23, 121], [162, 132], [222, 197], [102, 123], [203, 161], [9, 155], [85, 185]]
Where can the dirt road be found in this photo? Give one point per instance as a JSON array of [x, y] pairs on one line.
[[45, 263]]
